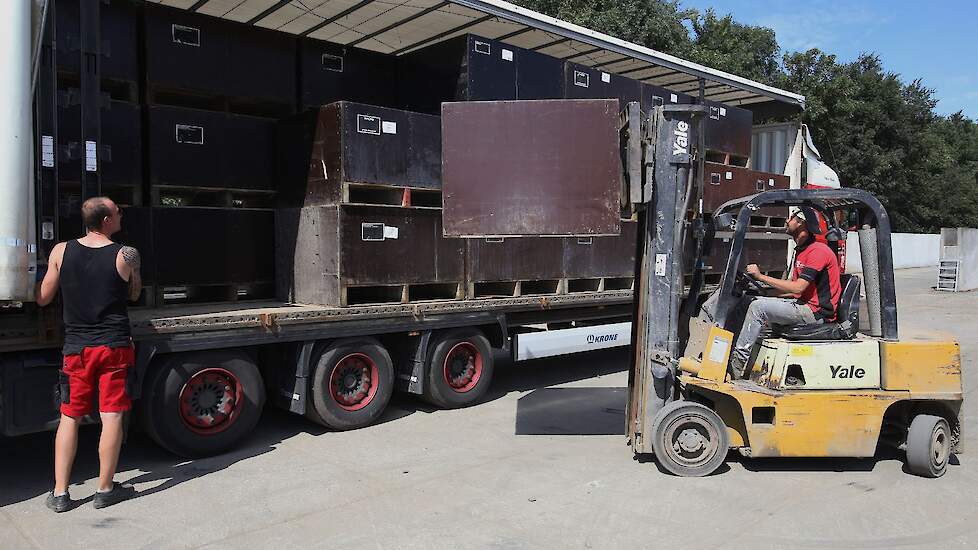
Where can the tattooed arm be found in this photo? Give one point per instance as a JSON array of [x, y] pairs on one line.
[[130, 262]]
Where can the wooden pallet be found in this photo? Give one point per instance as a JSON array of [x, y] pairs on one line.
[[174, 195], [390, 195], [157, 94], [400, 294], [172, 295], [546, 287]]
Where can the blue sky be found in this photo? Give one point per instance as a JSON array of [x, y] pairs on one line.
[[935, 40]]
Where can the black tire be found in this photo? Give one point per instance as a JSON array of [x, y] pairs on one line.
[[459, 370], [202, 403], [689, 439], [928, 445], [359, 366]]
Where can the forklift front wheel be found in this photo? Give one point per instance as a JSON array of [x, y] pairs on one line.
[[928, 445], [689, 439]]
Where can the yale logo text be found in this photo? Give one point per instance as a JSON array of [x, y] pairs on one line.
[[847, 372]]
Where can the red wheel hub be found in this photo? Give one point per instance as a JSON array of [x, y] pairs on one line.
[[463, 367], [353, 381], [210, 401]]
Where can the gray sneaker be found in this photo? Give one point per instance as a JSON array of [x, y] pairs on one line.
[[58, 504], [119, 492]]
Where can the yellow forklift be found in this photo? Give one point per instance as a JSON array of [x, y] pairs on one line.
[[824, 390]]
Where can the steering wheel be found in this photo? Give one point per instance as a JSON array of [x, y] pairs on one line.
[[745, 282]]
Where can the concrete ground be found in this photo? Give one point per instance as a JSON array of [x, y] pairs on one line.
[[541, 464]]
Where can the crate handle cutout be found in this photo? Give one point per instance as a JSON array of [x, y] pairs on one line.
[[582, 79], [585, 240], [760, 185], [494, 240], [483, 47], [714, 178], [188, 36], [367, 124], [332, 63], [191, 135], [656, 100], [715, 113]]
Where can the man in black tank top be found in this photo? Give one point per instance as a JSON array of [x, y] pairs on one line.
[[95, 276]]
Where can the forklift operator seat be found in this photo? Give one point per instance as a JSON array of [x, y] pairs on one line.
[[847, 317]]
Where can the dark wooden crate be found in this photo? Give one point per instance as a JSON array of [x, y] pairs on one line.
[[331, 72], [176, 156], [722, 183], [583, 82], [598, 257], [768, 251], [120, 151], [261, 64], [213, 246], [531, 168], [185, 50], [514, 259], [538, 76], [118, 29], [465, 68], [653, 95], [324, 149], [238, 151], [728, 130], [324, 251]]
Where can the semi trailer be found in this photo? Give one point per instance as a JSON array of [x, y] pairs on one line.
[[290, 276]]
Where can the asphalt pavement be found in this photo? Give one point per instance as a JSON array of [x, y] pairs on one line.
[[542, 463]]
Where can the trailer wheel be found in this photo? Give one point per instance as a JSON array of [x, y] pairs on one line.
[[459, 369], [352, 383], [928, 445], [201, 404], [689, 439]]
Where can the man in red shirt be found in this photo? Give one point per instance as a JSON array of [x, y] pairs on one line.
[[811, 296]]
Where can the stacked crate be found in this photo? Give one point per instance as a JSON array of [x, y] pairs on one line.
[[361, 208]]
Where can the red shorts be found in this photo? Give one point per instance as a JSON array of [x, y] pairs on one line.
[[99, 368]]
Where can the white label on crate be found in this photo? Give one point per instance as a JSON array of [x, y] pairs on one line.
[[47, 231], [390, 232], [47, 151], [507, 55], [674, 98], [606, 77], [91, 156], [389, 127], [723, 111], [660, 265], [771, 182], [729, 175]]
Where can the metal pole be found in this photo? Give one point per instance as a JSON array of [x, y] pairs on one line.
[[17, 263]]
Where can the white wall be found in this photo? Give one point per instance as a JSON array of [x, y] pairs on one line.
[[909, 250]]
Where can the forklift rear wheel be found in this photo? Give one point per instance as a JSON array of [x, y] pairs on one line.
[[352, 382], [689, 439], [459, 369], [928, 445]]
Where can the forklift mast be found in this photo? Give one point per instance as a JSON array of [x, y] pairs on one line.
[[662, 159]]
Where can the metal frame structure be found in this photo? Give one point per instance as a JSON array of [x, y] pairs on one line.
[[827, 201], [399, 27]]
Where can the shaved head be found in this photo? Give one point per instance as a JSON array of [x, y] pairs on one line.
[[95, 210]]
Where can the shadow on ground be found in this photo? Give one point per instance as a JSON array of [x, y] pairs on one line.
[[26, 462]]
